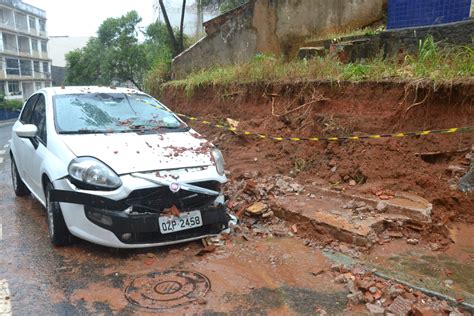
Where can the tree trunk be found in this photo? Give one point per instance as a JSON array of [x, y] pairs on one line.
[[181, 26], [199, 19], [176, 46]]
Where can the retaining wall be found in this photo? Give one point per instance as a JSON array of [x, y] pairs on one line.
[[272, 26]]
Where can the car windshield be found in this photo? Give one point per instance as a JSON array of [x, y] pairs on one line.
[[112, 113]]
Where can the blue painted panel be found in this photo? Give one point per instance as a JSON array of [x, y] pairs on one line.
[[412, 13], [8, 115]]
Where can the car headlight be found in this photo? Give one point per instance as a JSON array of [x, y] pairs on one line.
[[219, 160], [93, 172]]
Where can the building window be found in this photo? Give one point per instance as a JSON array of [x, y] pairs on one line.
[[9, 42], [32, 23], [44, 46], [14, 88], [42, 24], [2, 88], [13, 68], [24, 44], [21, 21], [36, 67], [46, 67], [6, 17], [25, 67], [34, 45], [38, 85]]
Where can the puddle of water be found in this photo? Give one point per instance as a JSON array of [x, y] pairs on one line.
[[424, 268]]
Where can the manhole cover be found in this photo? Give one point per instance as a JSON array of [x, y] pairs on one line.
[[167, 289]]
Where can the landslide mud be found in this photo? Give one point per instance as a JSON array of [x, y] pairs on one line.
[[418, 165]]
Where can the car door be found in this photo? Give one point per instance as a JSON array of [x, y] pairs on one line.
[[19, 145], [36, 150]]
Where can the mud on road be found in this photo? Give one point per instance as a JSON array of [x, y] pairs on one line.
[[259, 276]]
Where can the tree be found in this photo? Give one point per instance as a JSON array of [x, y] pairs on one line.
[[115, 55], [177, 42], [84, 66], [125, 59], [158, 45]]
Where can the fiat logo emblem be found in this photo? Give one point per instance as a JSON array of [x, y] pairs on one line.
[[175, 187]]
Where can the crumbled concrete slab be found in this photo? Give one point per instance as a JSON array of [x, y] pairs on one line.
[[349, 218]]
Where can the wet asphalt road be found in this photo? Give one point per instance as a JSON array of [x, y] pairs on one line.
[[88, 279]]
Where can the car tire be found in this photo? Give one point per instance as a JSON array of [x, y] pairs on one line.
[[18, 184], [58, 232]]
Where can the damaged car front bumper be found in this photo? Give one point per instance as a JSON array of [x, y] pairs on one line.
[[134, 216]]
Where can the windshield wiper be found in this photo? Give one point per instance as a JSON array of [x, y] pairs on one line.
[[86, 131], [170, 127]]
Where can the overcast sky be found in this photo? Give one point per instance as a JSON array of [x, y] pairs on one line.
[[83, 17]]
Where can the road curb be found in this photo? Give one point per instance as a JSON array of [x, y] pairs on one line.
[[7, 122], [340, 258]]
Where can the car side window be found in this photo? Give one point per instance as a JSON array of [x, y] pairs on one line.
[[38, 118], [28, 109]]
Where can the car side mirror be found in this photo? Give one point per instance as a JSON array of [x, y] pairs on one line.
[[26, 131]]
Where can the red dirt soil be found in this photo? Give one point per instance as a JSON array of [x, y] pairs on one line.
[[345, 109]]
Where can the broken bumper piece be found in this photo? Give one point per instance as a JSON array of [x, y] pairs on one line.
[[134, 221]]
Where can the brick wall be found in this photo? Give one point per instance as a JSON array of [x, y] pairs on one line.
[[412, 13]]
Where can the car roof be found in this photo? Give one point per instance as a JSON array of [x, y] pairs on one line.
[[88, 89]]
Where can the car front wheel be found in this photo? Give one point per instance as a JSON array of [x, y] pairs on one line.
[[57, 228], [18, 184]]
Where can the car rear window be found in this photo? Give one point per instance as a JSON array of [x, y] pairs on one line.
[[111, 113]]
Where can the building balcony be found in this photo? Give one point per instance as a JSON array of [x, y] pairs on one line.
[[24, 54], [25, 7], [31, 77], [29, 55], [13, 29]]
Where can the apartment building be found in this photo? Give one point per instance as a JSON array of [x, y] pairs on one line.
[[24, 63]]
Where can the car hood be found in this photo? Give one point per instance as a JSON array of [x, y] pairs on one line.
[[130, 152]]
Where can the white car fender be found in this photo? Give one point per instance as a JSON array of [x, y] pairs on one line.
[[53, 166]]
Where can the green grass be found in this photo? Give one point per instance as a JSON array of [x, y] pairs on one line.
[[431, 63], [10, 104]]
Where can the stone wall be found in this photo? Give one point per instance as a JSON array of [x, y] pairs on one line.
[[407, 40], [392, 43], [275, 27]]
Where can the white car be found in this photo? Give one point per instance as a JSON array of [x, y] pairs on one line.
[[117, 168]]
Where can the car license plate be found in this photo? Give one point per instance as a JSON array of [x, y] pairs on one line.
[[172, 224]]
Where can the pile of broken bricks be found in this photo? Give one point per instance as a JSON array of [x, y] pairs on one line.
[[355, 220], [382, 297]]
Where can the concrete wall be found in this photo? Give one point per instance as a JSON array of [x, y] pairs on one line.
[[273, 26], [234, 41], [298, 20]]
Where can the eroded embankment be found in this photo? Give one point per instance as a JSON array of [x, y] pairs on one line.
[[427, 166]]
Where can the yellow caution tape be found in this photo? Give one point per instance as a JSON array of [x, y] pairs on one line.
[[466, 129]]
